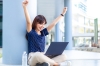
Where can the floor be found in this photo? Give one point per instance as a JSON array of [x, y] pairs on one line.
[[85, 63], [78, 58], [81, 55], [75, 63]]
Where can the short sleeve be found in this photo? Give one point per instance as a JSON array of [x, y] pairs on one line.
[[45, 31], [28, 33]]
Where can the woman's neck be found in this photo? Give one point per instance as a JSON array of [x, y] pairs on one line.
[[38, 32]]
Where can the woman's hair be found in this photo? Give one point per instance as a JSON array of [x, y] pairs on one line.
[[38, 19]]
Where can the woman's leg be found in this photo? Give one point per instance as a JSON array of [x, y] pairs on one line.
[[32, 59], [60, 58], [38, 57]]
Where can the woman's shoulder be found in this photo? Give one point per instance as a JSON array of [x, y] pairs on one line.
[[32, 31], [45, 31]]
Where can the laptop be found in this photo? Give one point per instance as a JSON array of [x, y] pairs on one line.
[[56, 48]]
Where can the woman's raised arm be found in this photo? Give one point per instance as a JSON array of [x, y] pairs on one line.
[[55, 21], [28, 20]]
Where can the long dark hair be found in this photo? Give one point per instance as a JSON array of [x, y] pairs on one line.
[[38, 19]]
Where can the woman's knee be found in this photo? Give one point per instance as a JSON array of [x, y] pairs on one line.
[[64, 57], [34, 58], [38, 56]]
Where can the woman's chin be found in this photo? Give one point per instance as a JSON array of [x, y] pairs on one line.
[[40, 29]]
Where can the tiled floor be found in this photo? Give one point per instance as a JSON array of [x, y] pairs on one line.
[[81, 55], [85, 63]]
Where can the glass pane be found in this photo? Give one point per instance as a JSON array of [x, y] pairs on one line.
[[82, 41], [0, 38]]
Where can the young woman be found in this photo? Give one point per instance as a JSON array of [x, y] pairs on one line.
[[36, 38]]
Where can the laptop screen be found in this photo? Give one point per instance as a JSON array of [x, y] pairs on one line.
[[56, 48]]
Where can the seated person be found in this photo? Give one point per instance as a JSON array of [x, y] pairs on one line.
[[36, 38]]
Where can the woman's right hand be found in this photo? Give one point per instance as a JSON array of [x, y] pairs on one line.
[[25, 3]]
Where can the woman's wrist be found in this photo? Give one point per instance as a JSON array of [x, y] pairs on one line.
[[62, 14], [24, 6]]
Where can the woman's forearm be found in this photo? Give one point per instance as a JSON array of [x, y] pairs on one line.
[[28, 20], [55, 21], [27, 14]]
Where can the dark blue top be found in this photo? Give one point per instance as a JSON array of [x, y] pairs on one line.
[[36, 42]]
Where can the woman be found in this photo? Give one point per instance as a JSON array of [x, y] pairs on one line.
[[36, 38]]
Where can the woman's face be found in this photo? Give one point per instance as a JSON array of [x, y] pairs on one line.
[[40, 27]]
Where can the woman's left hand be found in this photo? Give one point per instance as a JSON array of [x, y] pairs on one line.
[[64, 10]]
